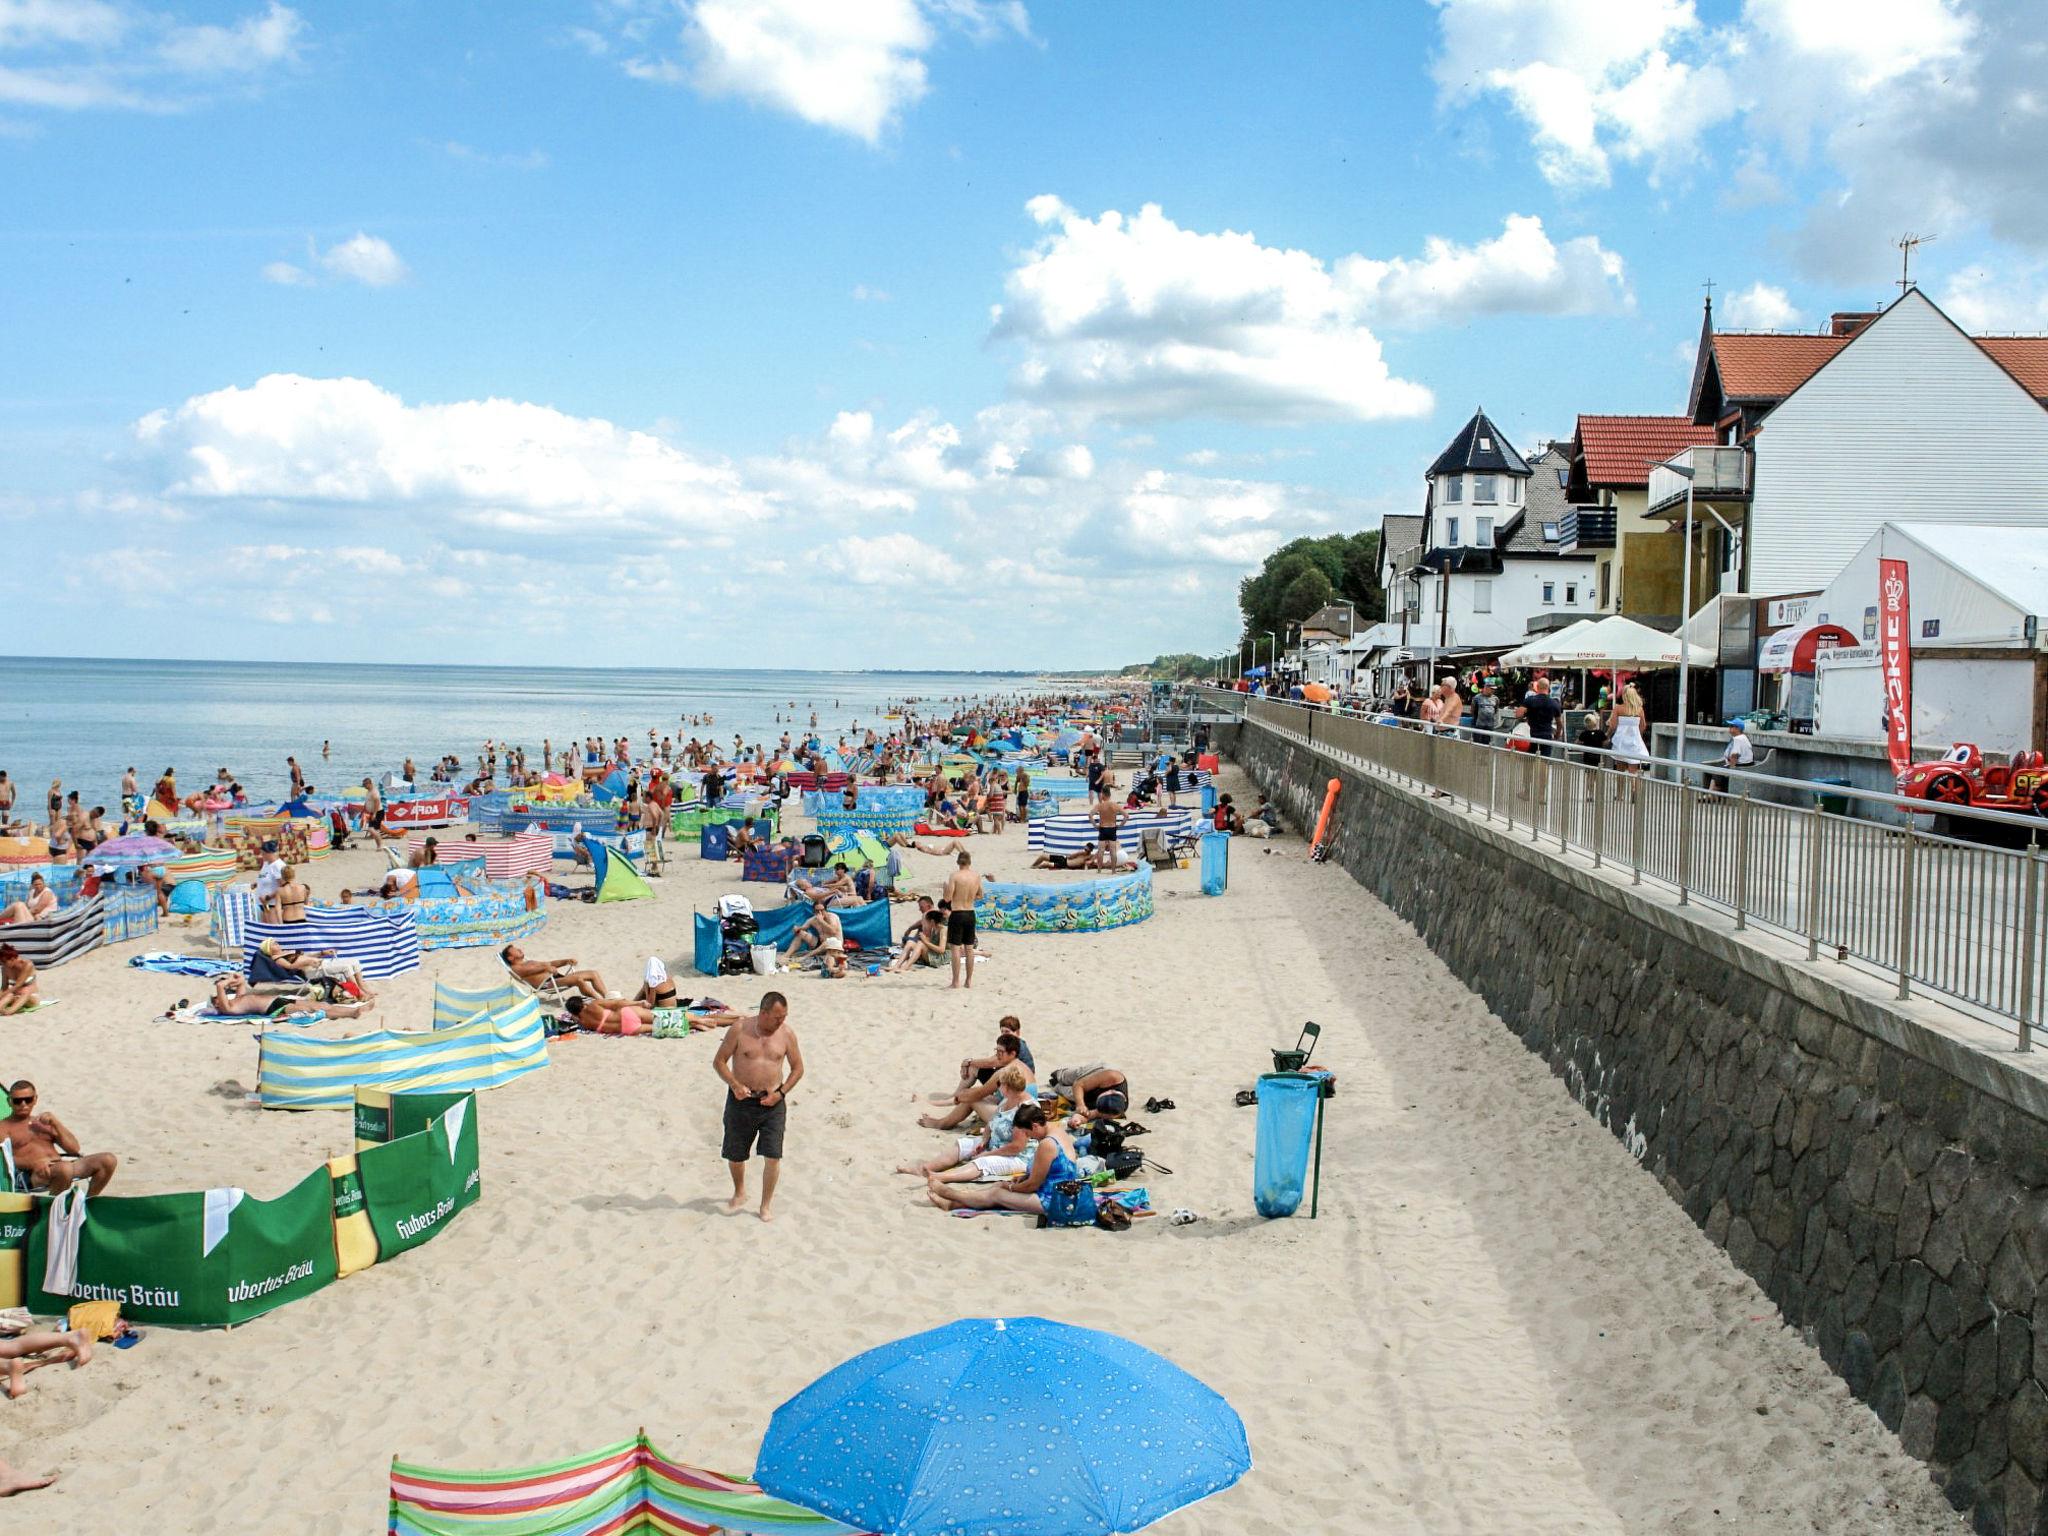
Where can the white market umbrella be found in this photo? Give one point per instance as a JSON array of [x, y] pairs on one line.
[[1537, 653], [1614, 643]]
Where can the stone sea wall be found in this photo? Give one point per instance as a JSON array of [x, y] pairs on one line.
[[1885, 1184]]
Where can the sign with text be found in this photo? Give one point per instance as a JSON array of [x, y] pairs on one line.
[[1895, 658]]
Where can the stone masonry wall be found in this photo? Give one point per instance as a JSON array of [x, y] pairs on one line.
[[1885, 1185]]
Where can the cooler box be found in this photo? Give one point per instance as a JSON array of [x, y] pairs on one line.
[[1288, 1102], [1215, 863]]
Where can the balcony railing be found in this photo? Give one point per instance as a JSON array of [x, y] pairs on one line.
[[1718, 474], [1585, 528]]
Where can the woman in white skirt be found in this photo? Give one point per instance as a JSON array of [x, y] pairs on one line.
[[1625, 730]]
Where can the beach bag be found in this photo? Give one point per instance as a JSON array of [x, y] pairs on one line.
[[762, 958], [671, 1023], [816, 852], [1123, 1163], [1105, 1139]]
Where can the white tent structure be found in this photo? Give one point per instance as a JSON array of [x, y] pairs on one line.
[[1537, 652], [1612, 642]]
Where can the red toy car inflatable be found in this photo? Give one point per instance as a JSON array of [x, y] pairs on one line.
[[1960, 777]]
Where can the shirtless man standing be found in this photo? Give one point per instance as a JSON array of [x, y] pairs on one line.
[[752, 1060], [963, 890], [45, 1149]]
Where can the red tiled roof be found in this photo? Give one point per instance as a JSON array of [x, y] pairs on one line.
[[2024, 357], [1619, 450], [1771, 365]]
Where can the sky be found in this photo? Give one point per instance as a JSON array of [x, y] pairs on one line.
[[897, 333]]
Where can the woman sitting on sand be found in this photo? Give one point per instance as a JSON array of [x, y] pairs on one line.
[[999, 1154], [1052, 1187], [17, 981], [924, 944]]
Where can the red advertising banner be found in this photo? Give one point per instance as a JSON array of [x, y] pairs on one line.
[[1895, 659], [426, 813]]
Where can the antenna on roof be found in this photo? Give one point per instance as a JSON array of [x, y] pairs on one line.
[[1907, 244]]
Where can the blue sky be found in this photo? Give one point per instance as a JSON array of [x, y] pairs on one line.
[[901, 332]]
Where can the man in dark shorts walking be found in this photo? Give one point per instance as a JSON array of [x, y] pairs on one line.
[[963, 890], [760, 1062]]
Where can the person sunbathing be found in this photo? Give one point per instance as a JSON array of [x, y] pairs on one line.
[[822, 933], [32, 1351], [563, 973], [320, 965], [47, 1152], [40, 902], [997, 1154], [400, 885], [837, 889], [612, 1015], [979, 1097], [1052, 1187], [17, 981], [233, 997]]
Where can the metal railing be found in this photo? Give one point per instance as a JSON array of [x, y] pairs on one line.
[[1954, 918]]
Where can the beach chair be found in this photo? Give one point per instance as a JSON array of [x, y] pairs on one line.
[[549, 993], [1155, 851], [16, 1180]]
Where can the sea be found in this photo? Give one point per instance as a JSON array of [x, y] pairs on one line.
[[84, 721]]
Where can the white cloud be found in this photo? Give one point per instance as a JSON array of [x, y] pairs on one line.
[[863, 294], [345, 443], [854, 66], [252, 43], [1761, 307], [1896, 114], [80, 55], [895, 557], [1137, 318], [1134, 317], [364, 259], [1519, 271], [361, 258], [528, 160], [1982, 300], [1591, 78]]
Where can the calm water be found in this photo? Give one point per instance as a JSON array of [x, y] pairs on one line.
[[85, 721]]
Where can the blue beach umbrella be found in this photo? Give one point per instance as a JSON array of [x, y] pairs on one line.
[[1003, 1427]]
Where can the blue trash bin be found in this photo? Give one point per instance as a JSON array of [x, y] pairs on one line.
[[1215, 863], [1288, 1102], [1208, 800], [715, 841]]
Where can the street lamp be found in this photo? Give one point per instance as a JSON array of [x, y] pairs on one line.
[[1685, 472], [1272, 661]]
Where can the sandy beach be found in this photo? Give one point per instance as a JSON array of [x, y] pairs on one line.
[[1499, 1322]]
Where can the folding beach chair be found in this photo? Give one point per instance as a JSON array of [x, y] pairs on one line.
[[16, 1180], [1155, 850], [549, 993]]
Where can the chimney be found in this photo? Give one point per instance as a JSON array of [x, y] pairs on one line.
[[1849, 322]]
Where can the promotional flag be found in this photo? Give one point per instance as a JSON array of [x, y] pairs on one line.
[[1895, 656]]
